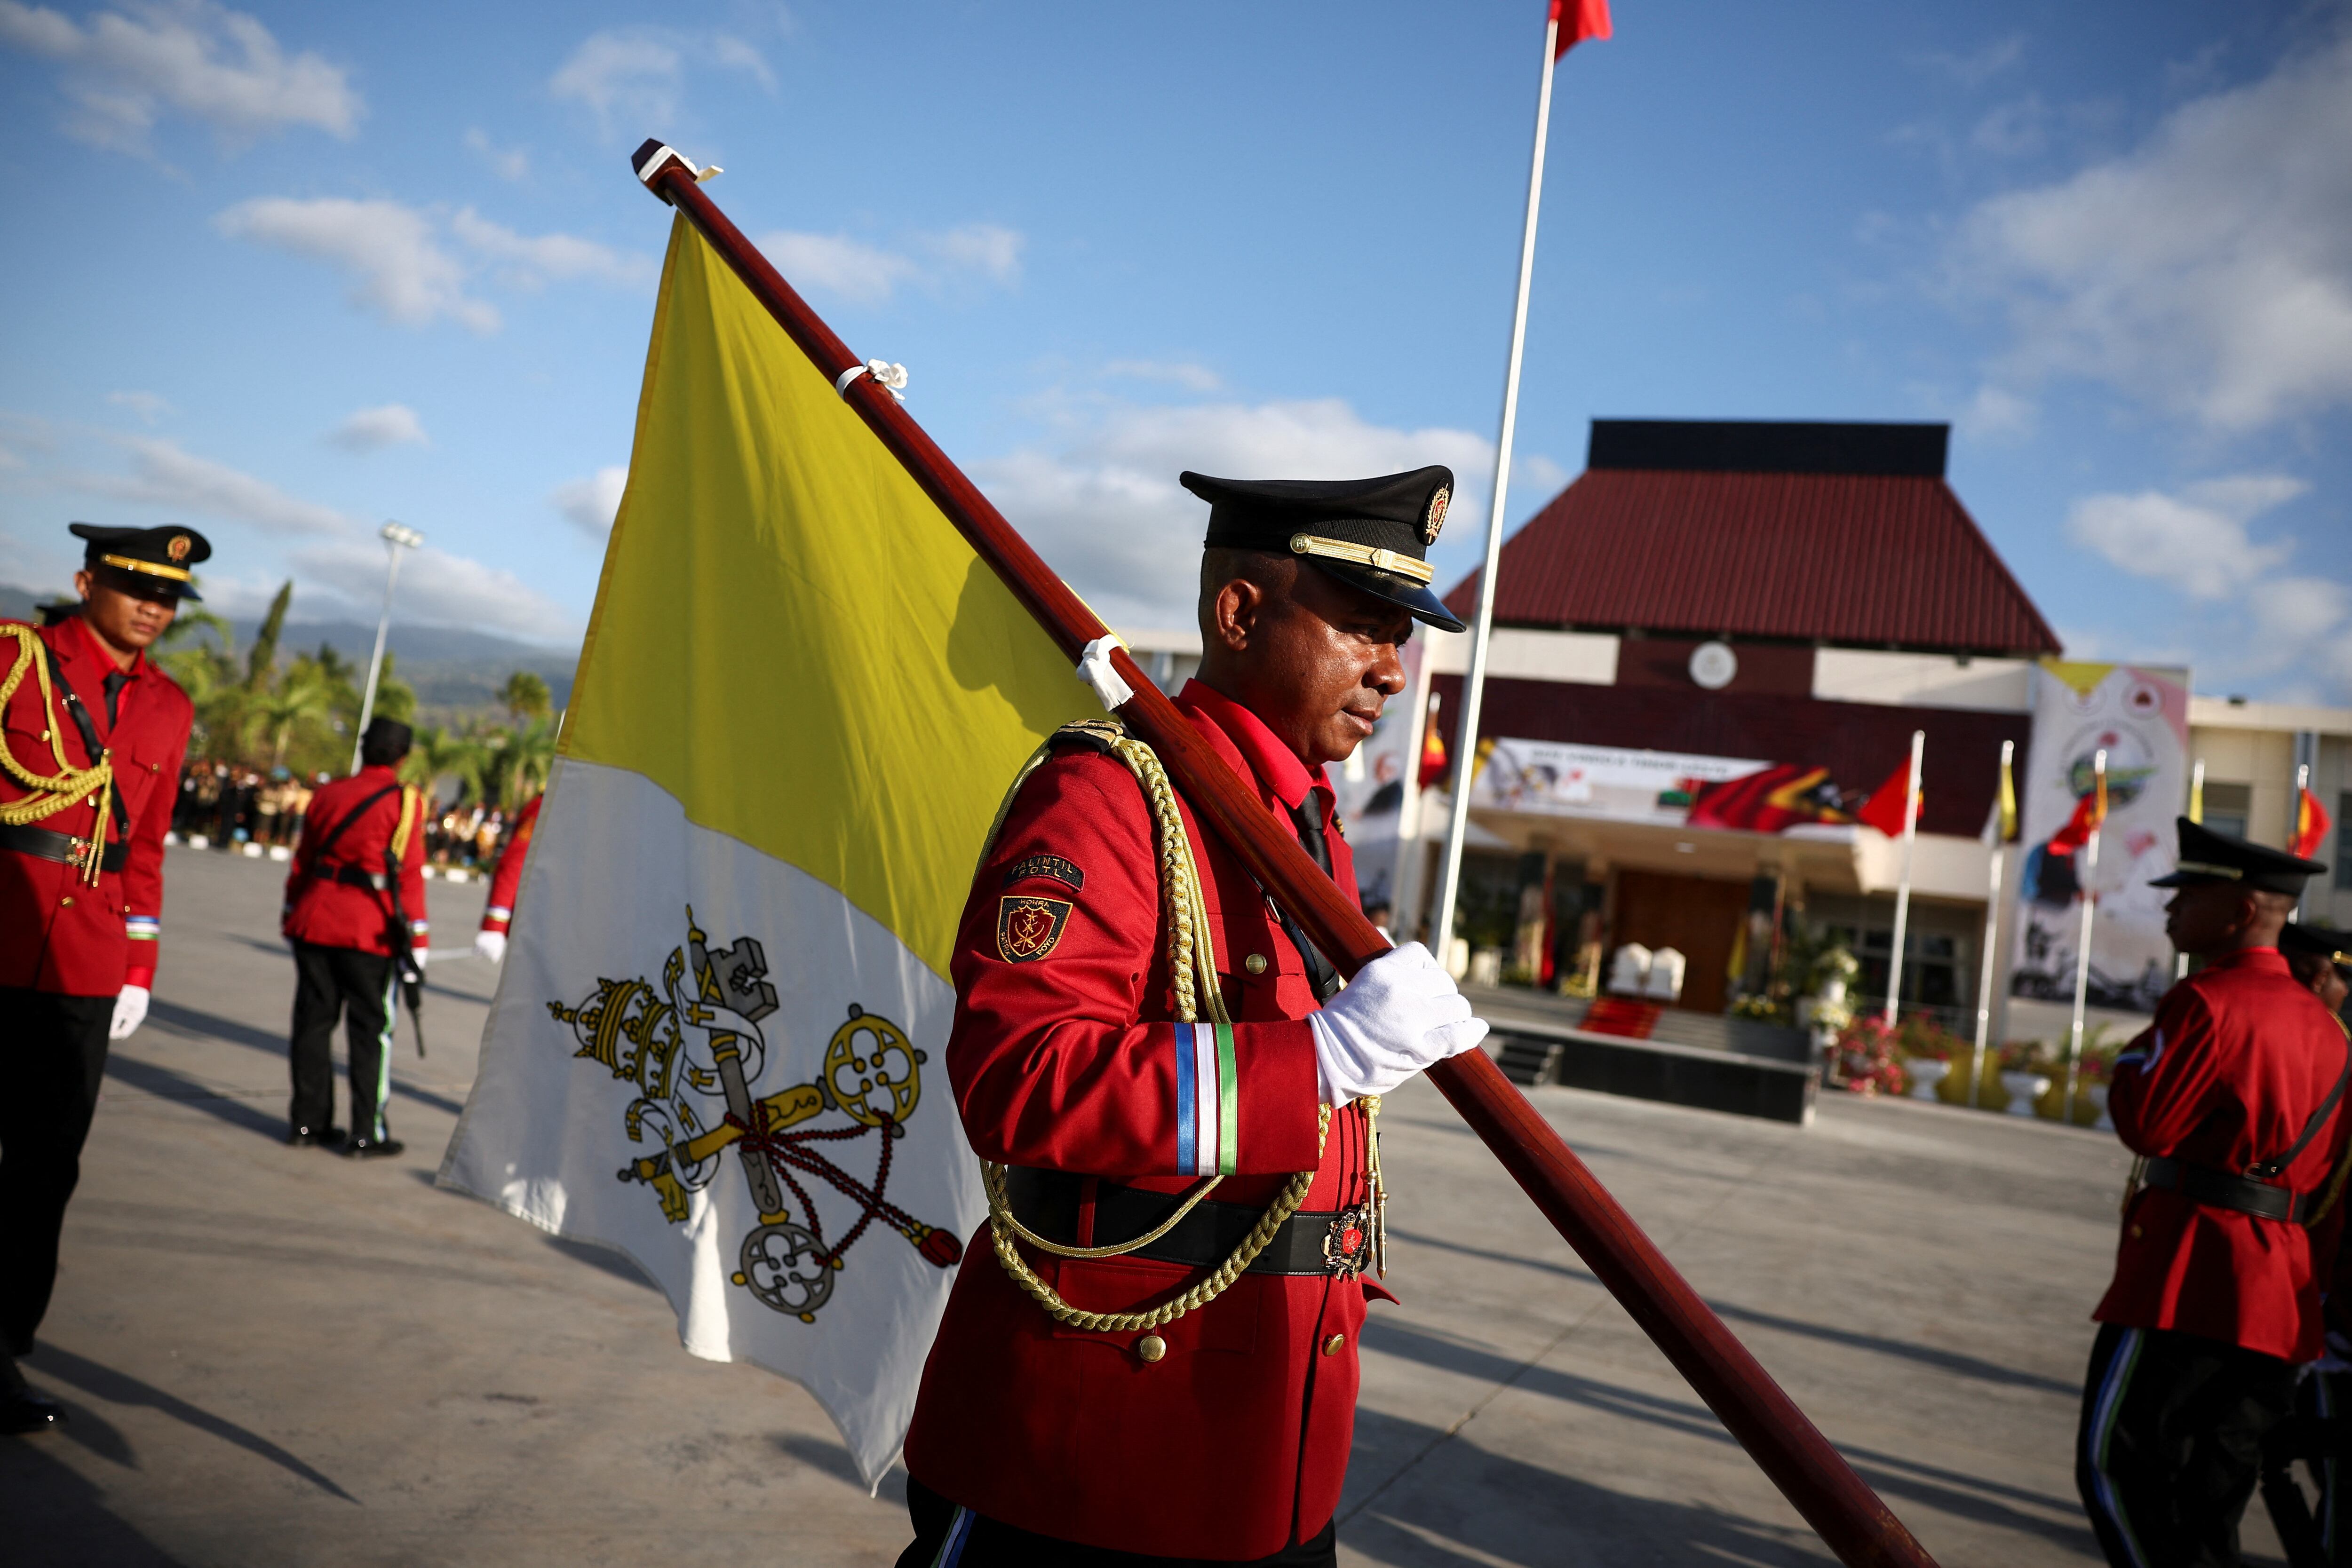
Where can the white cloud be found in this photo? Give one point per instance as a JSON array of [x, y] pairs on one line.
[[531, 260], [2012, 130], [149, 406], [1103, 507], [164, 476], [989, 249], [401, 267], [333, 555], [2196, 541], [434, 586], [857, 272], [2255, 616], [591, 503], [373, 429], [507, 163], [396, 263], [1995, 413], [2209, 271], [637, 74], [866, 274], [123, 70]]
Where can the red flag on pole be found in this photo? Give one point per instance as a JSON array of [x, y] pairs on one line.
[[2311, 825], [1883, 809], [1578, 20]]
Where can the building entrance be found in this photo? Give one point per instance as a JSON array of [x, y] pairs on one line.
[[1699, 918]]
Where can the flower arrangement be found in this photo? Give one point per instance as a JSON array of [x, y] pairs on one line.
[[1868, 1058]]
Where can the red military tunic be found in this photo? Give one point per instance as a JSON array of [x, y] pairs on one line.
[[58, 932], [1237, 1442], [499, 914], [331, 914], [2236, 1061]]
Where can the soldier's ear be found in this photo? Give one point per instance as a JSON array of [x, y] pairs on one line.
[[1235, 612]]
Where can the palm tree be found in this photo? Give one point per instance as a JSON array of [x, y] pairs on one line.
[[303, 692], [516, 765], [261, 659], [526, 696], [436, 754]]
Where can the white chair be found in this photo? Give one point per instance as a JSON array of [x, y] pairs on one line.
[[1629, 971], [1665, 975]]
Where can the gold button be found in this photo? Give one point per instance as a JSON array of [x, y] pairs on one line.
[[1334, 1344], [1255, 963], [1152, 1347], [2136, 1232], [67, 902]]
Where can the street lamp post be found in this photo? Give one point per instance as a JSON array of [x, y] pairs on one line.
[[396, 537]]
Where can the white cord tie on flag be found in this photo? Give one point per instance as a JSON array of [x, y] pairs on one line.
[[1095, 669], [893, 378]]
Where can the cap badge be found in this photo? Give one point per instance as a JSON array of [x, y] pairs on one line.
[[1436, 517], [178, 549]]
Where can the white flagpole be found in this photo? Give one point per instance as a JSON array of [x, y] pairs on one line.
[[2082, 948], [1473, 683], [1902, 888], [1992, 933], [2196, 814]]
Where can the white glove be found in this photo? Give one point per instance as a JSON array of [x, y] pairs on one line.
[[1399, 1015], [129, 1013], [422, 955], [490, 945]]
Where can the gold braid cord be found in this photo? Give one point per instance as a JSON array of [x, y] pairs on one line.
[[1193, 970], [50, 793]]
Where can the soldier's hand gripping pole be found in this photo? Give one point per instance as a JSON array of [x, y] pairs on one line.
[[1811, 1473]]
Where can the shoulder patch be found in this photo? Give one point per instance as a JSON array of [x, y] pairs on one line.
[[1051, 867], [1029, 928]]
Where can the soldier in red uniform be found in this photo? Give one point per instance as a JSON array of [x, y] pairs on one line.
[[354, 911], [1118, 1063], [490, 941], [2234, 1100], [103, 731]]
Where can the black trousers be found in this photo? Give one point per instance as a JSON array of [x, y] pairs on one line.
[[2171, 1443], [947, 1536], [331, 984], [53, 1051]]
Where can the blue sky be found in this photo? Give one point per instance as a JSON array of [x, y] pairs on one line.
[[284, 272]]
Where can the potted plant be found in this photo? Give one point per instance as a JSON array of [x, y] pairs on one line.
[[1866, 1059], [2023, 1064]]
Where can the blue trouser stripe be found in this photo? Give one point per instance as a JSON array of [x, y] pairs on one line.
[[2102, 1427]]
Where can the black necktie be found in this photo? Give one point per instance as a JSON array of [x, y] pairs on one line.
[[1308, 818], [118, 679]]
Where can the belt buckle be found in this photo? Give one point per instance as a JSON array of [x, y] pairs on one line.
[[80, 851], [1348, 1246]]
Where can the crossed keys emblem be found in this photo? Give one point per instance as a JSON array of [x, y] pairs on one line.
[[696, 1040]]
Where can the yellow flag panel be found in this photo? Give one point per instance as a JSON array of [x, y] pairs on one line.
[[790, 638]]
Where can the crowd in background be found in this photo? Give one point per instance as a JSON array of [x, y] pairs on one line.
[[222, 807]]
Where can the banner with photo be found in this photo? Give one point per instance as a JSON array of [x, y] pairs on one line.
[[2139, 716], [1664, 789]]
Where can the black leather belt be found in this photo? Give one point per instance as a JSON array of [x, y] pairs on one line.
[[41, 843], [1312, 1241], [353, 876], [2220, 1189]]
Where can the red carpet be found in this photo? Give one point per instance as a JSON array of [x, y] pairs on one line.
[[1618, 1015]]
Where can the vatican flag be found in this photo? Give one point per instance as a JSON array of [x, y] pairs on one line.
[[719, 1039]]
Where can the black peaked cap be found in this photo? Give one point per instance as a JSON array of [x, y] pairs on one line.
[[2207, 856], [2317, 942], [1371, 534], [387, 735], [155, 561]]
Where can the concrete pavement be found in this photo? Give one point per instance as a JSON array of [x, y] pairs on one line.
[[279, 1356]]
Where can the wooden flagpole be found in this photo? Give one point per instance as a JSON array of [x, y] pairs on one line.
[[1791, 1451]]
